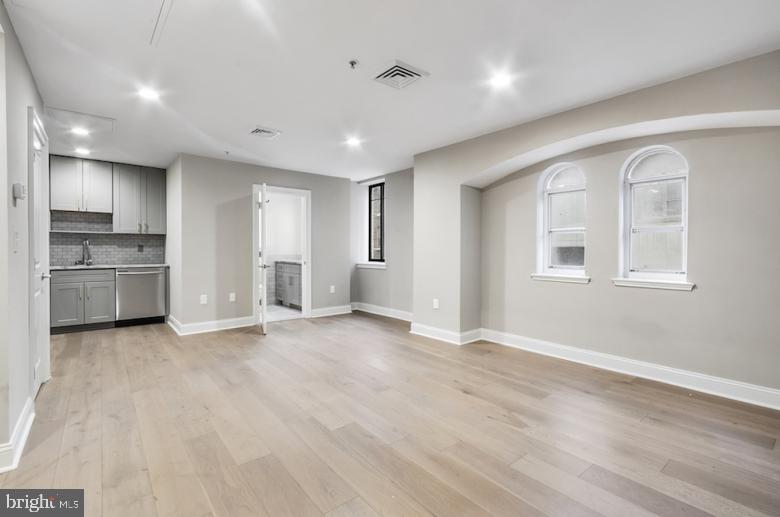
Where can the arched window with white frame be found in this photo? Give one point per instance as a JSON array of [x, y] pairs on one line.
[[654, 219], [561, 224]]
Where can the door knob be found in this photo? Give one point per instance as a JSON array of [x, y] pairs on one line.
[[44, 276]]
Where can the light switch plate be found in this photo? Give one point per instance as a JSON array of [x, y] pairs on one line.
[[204, 299], [232, 297], [435, 303], [332, 289]]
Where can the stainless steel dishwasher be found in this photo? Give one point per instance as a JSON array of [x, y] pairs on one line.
[[141, 292]]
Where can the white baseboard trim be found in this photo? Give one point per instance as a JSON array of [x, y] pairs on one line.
[[731, 389], [186, 329], [331, 311], [11, 451], [382, 311], [719, 386], [449, 336]]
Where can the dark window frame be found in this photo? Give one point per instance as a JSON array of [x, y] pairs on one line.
[[381, 187]]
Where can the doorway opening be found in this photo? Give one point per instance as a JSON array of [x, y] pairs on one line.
[[281, 254]]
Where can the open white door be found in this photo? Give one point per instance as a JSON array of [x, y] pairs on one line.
[[263, 213], [38, 210]]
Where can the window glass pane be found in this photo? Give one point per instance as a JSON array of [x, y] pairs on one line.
[[376, 192], [376, 223], [657, 251], [567, 178], [567, 209], [658, 164], [657, 203], [567, 249]]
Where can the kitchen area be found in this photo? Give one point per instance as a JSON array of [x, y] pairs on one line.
[[106, 244]]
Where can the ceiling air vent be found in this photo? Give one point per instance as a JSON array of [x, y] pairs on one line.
[[400, 75], [265, 132]]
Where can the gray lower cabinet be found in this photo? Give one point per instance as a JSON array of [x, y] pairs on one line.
[[288, 283], [67, 304], [99, 302], [80, 297]]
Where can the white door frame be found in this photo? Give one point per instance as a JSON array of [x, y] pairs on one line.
[[306, 259], [38, 272]]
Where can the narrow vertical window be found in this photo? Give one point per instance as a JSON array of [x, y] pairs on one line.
[[654, 217], [376, 222], [561, 223]]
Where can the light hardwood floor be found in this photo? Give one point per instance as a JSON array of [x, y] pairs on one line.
[[353, 416]]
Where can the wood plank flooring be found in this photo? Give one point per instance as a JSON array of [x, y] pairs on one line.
[[353, 416]]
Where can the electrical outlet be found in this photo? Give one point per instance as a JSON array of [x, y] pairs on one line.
[[436, 303], [232, 297], [204, 299], [332, 289]]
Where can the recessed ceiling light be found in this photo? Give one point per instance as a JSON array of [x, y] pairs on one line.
[[353, 141], [82, 150], [80, 131], [500, 80], [149, 94]]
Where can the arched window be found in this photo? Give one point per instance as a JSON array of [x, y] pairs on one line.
[[561, 224], [654, 219]]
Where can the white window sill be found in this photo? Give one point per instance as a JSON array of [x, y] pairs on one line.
[[371, 265], [647, 283], [570, 279]]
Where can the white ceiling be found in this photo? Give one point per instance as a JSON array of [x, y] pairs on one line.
[[225, 66]]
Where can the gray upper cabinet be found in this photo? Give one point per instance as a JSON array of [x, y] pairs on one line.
[[127, 198], [139, 199], [65, 183], [98, 187], [100, 302], [67, 305], [80, 185], [153, 200]]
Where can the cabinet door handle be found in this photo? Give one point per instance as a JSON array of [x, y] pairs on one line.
[[146, 226], [139, 228], [81, 293], [87, 292]]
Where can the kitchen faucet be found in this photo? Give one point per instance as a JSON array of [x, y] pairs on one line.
[[86, 254]]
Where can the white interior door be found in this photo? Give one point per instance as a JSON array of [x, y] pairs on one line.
[[263, 213], [38, 192]]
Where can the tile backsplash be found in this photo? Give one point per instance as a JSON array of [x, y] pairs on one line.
[[86, 221], [66, 248]]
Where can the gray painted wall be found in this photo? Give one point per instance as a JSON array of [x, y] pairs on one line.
[[216, 236], [470, 258], [727, 326], [751, 84], [173, 248], [20, 92], [391, 287]]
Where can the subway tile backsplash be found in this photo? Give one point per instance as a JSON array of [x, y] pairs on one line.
[[86, 221], [66, 248]]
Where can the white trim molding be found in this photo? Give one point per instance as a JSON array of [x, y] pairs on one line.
[[11, 451], [448, 336], [569, 279], [336, 310], [731, 389], [695, 381], [674, 285], [371, 265], [186, 329], [382, 311]]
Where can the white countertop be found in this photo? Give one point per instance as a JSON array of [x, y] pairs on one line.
[[104, 266]]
